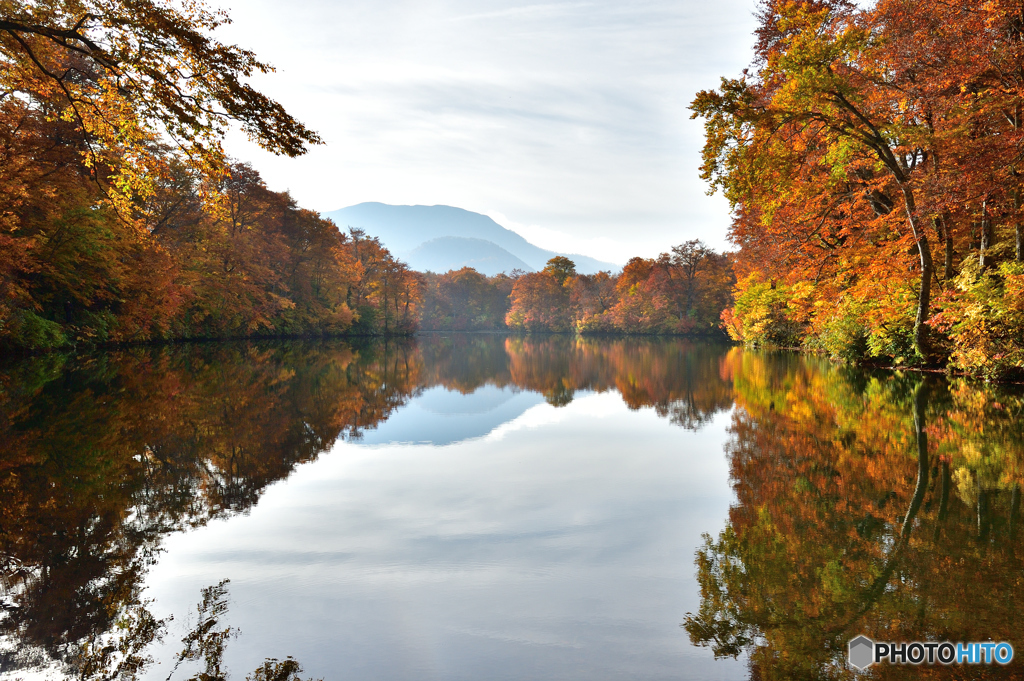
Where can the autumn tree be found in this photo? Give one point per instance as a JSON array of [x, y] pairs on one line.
[[465, 300], [824, 96], [560, 268], [130, 73], [591, 296], [861, 136], [539, 303], [387, 296], [125, 221]]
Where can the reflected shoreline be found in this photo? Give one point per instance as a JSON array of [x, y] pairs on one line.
[[848, 481]]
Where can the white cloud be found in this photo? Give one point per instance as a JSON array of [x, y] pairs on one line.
[[568, 119]]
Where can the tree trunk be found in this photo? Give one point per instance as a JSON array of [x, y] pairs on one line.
[[945, 233], [943, 498], [878, 586], [1014, 510], [983, 514], [1017, 229], [948, 265], [986, 238], [924, 296], [921, 436]]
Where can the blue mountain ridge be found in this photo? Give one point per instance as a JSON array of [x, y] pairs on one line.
[[440, 238], [455, 252]]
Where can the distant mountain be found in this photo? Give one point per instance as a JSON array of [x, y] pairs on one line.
[[424, 234], [455, 252]]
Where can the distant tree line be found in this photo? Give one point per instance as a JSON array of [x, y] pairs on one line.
[[682, 292]]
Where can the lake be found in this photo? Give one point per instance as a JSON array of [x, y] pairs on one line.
[[488, 507]]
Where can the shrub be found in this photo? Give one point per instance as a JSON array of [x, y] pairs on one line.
[[26, 330], [984, 318], [841, 331], [767, 314]]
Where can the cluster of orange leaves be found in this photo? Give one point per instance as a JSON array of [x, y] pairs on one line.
[[872, 158]]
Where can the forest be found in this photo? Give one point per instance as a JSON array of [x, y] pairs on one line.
[[678, 293], [124, 220], [871, 154]]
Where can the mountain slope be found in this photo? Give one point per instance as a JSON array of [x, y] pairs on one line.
[[405, 228], [455, 252]]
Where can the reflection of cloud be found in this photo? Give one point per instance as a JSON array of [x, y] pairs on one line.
[[559, 546], [535, 417]]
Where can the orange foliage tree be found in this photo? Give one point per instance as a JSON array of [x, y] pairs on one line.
[[861, 138], [679, 293], [123, 219]]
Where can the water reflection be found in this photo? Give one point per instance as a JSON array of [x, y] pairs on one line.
[[106, 455], [872, 503], [864, 502]]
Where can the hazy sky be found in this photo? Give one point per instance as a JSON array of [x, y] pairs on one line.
[[565, 121]]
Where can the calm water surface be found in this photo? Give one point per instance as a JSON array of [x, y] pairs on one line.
[[481, 507]]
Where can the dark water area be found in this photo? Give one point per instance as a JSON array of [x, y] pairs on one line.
[[476, 506]]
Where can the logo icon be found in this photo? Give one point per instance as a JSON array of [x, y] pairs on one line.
[[862, 652]]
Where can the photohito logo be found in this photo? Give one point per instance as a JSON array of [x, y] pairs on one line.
[[864, 652]]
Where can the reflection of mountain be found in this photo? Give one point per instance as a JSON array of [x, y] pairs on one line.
[[440, 238], [439, 416], [105, 456]]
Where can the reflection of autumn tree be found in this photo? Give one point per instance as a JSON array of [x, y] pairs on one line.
[[680, 379], [683, 381], [465, 362], [865, 504], [546, 366], [105, 458], [124, 653]]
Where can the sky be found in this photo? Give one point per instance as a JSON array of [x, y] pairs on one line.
[[564, 121]]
